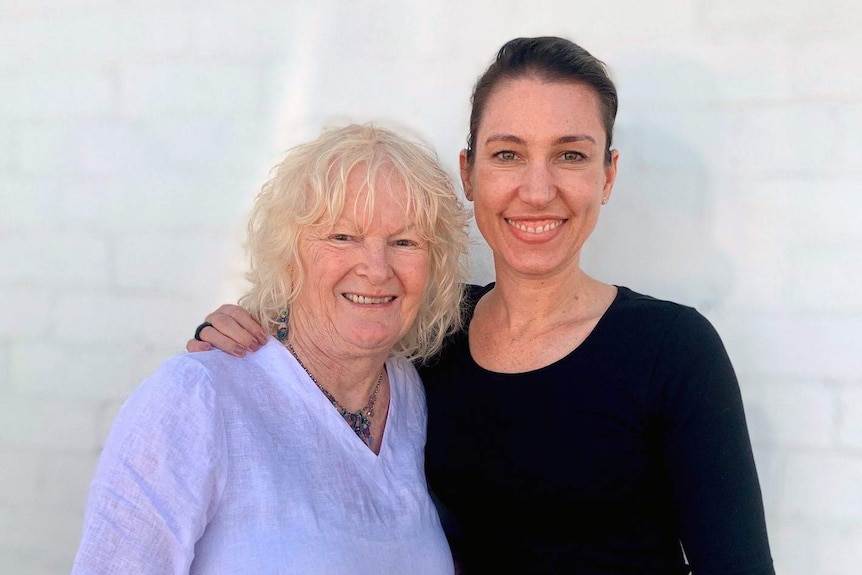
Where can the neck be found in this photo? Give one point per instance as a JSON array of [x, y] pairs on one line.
[[526, 305], [349, 379]]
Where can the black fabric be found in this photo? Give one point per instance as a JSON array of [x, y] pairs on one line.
[[605, 462]]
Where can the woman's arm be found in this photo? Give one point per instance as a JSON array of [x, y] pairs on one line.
[[231, 329], [707, 453], [159, 477]]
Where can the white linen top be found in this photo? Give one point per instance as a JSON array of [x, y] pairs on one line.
[[217, 464]]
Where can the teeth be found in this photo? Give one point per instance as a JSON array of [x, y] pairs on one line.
[[368, 300], [535, 230]]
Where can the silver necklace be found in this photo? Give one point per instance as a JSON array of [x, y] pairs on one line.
[[360, 420]]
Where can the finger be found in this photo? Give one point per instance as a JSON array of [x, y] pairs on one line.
[[244, 319], [218, 340], [236, 323], [193, 345], [226, 326]]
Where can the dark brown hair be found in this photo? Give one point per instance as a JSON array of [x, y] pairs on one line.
[[550, 59]]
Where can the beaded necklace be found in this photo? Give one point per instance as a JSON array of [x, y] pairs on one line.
[[360, 420]]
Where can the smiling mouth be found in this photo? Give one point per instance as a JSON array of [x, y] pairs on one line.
[[535, 229], [361, 299]]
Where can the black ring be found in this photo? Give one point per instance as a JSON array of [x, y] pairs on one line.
[[200, 328]]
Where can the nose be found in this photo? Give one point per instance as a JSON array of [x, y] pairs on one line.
[[374, 262], [538, 188]]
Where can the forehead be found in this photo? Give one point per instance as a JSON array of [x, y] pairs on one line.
[[540, 109], [383, 184], [381, 197]]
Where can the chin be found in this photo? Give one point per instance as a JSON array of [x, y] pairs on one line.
[[375, 342], [533, 267]]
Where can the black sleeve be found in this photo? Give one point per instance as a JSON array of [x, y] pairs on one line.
[[707, 452]]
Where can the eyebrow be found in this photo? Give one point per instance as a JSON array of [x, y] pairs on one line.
[[354, 226], [561, 140]]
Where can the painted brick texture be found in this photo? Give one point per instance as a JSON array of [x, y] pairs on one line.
[[132, 143]]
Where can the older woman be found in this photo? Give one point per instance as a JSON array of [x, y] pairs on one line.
[[306, 457]]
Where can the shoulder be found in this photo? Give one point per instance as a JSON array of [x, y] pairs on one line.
[[632, 309], [229, 375], [631, 300], [179, 392], [402, 367], [403, 374], [650, 332], [677, 345], [176, 377], [173, 417], [198, 383], [407, 393], [473, 293]]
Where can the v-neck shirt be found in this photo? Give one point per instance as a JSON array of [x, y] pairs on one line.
[[217, 464]]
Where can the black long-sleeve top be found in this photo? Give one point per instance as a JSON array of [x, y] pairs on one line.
[[630, 455]]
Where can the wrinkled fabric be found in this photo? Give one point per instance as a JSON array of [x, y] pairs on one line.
[[217, 464]]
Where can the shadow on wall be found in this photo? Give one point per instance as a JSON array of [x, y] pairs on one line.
[[656, 235], [659, 233]]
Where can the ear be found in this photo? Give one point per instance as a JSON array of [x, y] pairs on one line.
[[610, 176], [465, 175]]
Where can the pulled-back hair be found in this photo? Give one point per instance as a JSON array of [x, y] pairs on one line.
[[309, 187], [549, 59]]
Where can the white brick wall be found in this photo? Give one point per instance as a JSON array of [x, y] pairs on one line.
[[794, 414], [132, 141], [850, 418]]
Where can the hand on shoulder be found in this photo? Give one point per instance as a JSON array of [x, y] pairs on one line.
[[230, 329]]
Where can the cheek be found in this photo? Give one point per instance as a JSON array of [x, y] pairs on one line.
[[326, 273], [494, 190], [490, 180], [422, 273], [416, 274]]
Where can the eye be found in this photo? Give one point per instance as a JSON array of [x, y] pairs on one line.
[[408, 242], [341, 237], [506, 155], [572, 156]]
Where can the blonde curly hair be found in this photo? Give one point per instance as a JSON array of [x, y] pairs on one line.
[[309, 187]]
